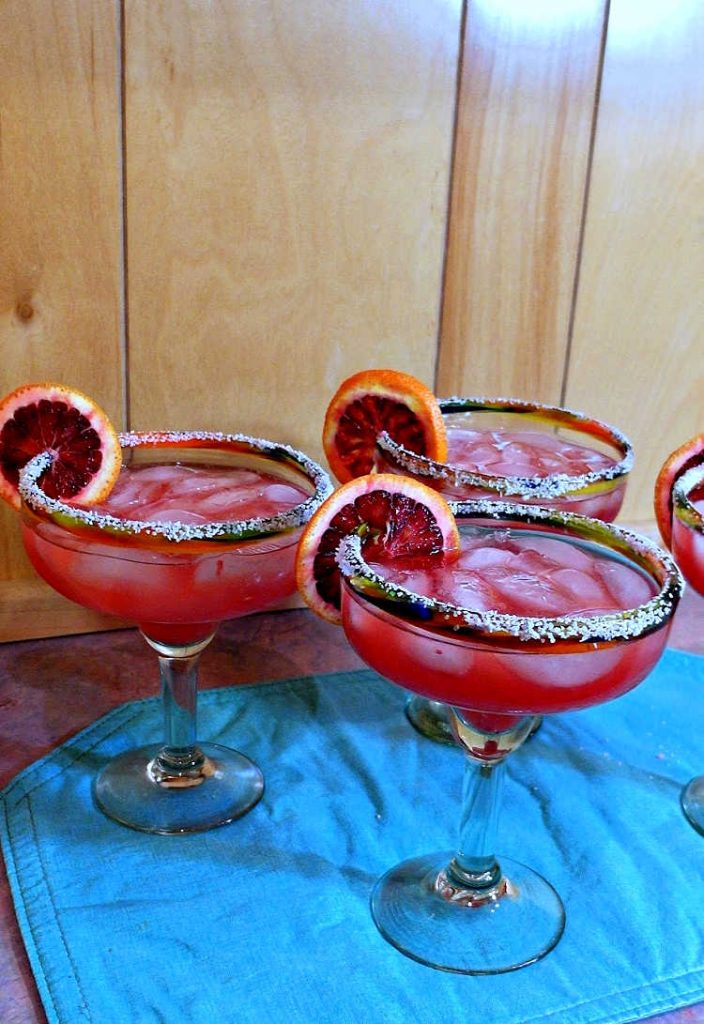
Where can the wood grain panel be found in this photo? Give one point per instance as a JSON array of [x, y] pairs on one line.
[[60, 256], [287, 170], [638, 348], [30, 609], [525, 112]]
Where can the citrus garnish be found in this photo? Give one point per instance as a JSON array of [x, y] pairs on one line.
[[373, 401], [108, 518], [83, 446], [394, 516], [691, 453]]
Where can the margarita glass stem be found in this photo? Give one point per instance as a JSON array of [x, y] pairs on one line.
[[180, 758], [475, 863], [474, 872], [155, 788]]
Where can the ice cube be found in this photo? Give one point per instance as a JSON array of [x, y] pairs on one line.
[[569, 671], [525, 593], [469, 591], [478, 558], [562, 552], [582, 591], [629, 587], [176, 515], [281, 496]]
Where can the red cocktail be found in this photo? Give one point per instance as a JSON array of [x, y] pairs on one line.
[[507, 449], [543, 611], [505, 576], [688, 549], [199, 528], [521, 451], [688, 526]]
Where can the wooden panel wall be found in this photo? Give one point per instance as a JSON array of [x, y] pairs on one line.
[[295, 229], [576, 245], [60, 238], [638, 346], [286, 171], [210, 213], [525, 115]]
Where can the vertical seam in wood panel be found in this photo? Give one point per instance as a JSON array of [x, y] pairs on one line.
[[124, 303], [585, 204], [450, 185]]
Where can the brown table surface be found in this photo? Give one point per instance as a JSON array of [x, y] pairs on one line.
[[49, 689]]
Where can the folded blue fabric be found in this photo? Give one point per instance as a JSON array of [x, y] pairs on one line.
[[267, 919]]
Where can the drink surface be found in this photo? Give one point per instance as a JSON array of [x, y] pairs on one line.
[[505, 452], [528, 453], [198, 493], [526, 573], [519, 572], [175, 594]]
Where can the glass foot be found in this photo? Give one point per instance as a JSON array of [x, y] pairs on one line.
[[132, 791], [537, 722], [431, 718], [436, 925], [692, 801]]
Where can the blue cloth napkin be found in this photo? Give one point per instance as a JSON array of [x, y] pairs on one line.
[[267, 919]]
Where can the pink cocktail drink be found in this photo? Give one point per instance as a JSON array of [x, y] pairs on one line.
[[688, 538], [503, 449], [200, 527], [543, 611], [177, 592], [532, 455], [688, 548], [510, 573], [507, 449]]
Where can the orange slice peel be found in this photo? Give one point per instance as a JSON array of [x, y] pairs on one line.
[[191, 538], [83, 446], [393, 515], [689, 454], [377, 400]]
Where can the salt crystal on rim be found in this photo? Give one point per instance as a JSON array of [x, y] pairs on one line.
[[178, 531], [628, 624], [549, 487]]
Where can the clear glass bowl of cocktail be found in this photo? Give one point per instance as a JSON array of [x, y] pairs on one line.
[[512, 450], [688, 550], [200, 527], [542, 612]]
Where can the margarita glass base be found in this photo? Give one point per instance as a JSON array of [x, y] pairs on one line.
[[220, 786], [692, 800], [431, 718], [509, 926]]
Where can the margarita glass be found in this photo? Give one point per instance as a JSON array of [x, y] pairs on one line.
[[200, 527], [465, 632], [688, 549], [508, 449]]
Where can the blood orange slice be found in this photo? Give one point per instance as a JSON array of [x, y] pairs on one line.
[[373, 401], [395, 515], [691, 453], [83, 445]]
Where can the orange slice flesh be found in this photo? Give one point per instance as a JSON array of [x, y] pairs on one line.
[[85, 448], [395, 515], [691, 453], [372, 401]]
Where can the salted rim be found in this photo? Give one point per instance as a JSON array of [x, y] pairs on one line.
[[682, 506], [453, 619], [176, 532], [555, 485]]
